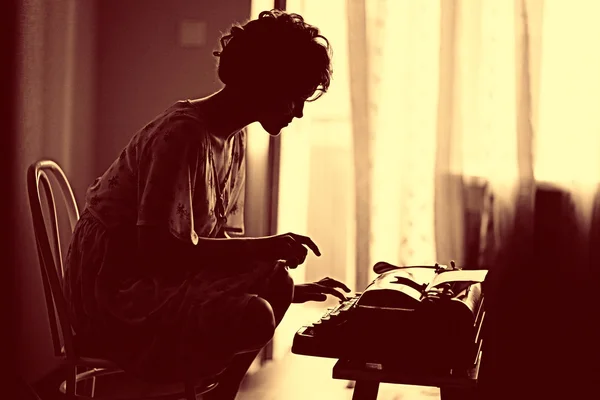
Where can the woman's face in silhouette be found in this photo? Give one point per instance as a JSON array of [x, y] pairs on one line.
[[278, 111]]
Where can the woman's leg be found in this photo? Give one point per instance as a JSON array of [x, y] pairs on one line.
[[279, 296]]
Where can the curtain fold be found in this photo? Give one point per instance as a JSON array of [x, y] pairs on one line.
[[448, 209], [360, 98]]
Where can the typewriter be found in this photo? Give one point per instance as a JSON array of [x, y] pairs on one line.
[[416, 316]]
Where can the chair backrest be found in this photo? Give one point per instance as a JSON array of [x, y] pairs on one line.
[[39, 188]]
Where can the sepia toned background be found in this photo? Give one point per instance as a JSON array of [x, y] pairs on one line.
[[464, 130]]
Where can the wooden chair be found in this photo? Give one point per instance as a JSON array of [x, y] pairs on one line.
[[49, 251]]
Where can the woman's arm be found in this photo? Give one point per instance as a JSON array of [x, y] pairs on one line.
[[158, 247]]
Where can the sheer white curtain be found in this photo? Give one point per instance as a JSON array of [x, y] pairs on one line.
[[568, 140], [427, 96], [404, 42], [444, 110], [501, 90], [316, 180]]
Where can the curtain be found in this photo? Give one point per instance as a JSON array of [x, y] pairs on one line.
[[464, 130], [443, 112], [463, 107]]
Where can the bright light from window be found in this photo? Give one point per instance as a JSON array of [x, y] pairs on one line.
[[568, 144], [405, 40]]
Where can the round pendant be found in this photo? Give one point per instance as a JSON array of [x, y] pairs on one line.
[[221, 215]]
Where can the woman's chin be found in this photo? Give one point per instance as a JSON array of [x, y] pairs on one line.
[[273, 130]]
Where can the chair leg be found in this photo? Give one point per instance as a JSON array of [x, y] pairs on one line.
[[87, 385], [93, 390], [71, 388]]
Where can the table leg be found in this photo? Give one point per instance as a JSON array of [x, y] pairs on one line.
[[453, 393], [365, 390]]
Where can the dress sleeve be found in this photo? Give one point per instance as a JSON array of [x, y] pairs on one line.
[[167, 166]]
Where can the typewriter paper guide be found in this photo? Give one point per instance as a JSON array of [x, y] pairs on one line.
[[405, 288], [475, 276]]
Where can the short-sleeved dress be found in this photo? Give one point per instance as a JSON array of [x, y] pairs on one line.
[[173, 324]]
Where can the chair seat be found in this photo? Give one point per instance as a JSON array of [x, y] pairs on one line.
[[90, 359], [98, 367], [97, 363], [87, 361], [111, 367]]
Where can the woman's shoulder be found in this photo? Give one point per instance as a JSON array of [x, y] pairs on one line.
[[177, 124], [184, 114]]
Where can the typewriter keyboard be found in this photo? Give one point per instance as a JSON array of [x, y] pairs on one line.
[[333, 317]]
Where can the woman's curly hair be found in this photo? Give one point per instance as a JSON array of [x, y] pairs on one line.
[[279, 51]]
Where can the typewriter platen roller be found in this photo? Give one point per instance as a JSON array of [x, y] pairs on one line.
[[401, 318]]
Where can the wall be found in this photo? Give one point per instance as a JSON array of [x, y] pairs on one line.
[[55, 104], [142, 68], [8, 81]]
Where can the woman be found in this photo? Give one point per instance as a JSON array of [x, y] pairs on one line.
[[152, 279]]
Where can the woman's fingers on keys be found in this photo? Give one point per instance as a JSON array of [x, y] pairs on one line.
[[332, 291], [330, 282]]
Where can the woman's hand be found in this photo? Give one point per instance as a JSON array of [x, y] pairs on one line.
[[290, 247], [318, 291]]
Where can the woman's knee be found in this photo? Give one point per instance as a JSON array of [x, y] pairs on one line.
[[280, 293], [260, 322], [282, 281]]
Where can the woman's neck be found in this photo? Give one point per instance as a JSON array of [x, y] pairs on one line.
[[226, 113]]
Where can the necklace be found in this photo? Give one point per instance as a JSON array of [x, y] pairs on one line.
[[221, 203]]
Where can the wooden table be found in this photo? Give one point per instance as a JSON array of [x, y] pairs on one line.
[[453, 384]]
